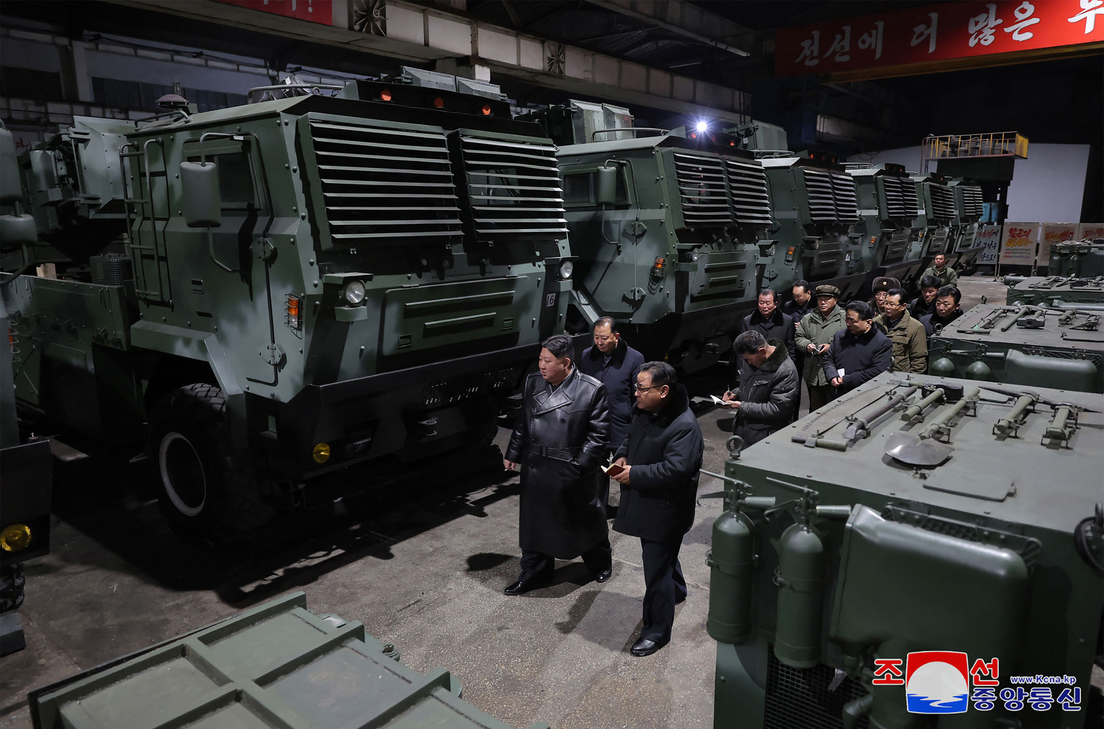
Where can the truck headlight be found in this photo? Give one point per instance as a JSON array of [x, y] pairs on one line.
[[354, 292], [565, 269]]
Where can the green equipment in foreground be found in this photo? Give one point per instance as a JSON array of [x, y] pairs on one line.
[[1077, 259], [278, 665], [1023, 345], [913, 514], [1057, 291], [296, 286], [667, 230], [887, 206]]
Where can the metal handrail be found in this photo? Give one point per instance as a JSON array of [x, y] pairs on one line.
[[628, 129]]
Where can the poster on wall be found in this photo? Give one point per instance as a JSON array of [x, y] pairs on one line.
[[1051, 233], [989, 237], [1018, 244], [1089, 231]]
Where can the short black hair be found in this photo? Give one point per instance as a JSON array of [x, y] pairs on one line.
[[559, 345], [764, 292], [930, 282], [802, 283], [608, 321], [949, 291], [863, 309], [937, 255], [897, 292], [661, 373], [749, 342]]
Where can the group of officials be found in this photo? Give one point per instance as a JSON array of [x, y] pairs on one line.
[[611, 407]]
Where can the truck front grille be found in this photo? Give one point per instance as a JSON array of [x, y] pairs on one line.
[[900, 197], [702, 191], [514, 188], [748, 184], [942, 198], [971, 201], [818, 185], [845, 197]]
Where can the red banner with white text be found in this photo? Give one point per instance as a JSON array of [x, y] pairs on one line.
[[935, 33], [316, 11]]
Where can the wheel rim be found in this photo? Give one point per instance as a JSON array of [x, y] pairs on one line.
[[182, 474]]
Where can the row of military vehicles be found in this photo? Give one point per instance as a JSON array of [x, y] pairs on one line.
[[280, 299]]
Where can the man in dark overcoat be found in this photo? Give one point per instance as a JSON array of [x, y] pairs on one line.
[[859, 352], [661, 459], [560, 440], [614, 363]]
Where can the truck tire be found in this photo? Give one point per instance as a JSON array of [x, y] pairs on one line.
[[203, 484]]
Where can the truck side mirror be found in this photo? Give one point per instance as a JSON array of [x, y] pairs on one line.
[[202, 201], [606, 186]]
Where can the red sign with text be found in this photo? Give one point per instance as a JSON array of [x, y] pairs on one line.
[[316, 11], [937, 33]]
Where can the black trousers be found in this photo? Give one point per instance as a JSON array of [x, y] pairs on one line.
[[664, 585], [540, 566], [820, 395]]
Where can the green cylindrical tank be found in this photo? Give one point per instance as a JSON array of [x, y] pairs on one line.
[[978, 370], [800, 580], [942, 367], [730, 578]]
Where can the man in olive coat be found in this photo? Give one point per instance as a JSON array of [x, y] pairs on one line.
[[910, 341], [939, 269], [814, 336], [561, 438], [661, 459]]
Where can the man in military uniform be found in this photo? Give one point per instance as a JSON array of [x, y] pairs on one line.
[[814, 337], [882, 284], [947, 276], [910, 342], [560, 440]]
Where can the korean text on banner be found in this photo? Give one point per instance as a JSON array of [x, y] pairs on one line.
[[989, 238], [1090, 231], [1018, 243], [316, 11], [1050, 234]]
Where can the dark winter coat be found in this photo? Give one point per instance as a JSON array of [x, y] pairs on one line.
[[619, 377], [767, 396], [861, 357], [665, 452], [797, 312], [561, 438], [778, 326], [920, 308], [931, 321]]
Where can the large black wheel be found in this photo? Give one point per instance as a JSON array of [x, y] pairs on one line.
[[203, 484]]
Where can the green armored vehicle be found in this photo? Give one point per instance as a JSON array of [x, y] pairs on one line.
[[278, 665], [936, 215], [1077, 258], [1024, 345], [964, 249], [887, 206], [815, 209], [297, 286], [1057, 291], [900, 559], [667, 230]]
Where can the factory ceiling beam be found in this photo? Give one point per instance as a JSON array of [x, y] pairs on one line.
[[687, 20]]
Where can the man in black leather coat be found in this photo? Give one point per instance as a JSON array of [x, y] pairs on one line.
[[560, 440], [659, 484]]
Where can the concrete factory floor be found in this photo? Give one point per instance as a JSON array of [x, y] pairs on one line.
[[424, 572]]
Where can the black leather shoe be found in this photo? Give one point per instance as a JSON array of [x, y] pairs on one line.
[[646, 647], [523, 586], [603, 576]]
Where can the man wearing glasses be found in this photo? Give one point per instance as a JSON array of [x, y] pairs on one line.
[[614, 363], [659, 463], [910, 341]]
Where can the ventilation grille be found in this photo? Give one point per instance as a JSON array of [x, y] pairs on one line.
[[748, 183], [702, 191], [380, 184], [942, 198], [971, 201], [801, 697], [514, 188], [845, 197], [818, 185], [900, 197]]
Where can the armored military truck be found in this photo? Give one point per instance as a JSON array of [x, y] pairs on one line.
[[1057, 291], [906, 552], [936, 214], [277, 665], [887, 206], [298, 286], [1025, 345], [1077, 258], [964, 249], [815, 209], [667, 230]]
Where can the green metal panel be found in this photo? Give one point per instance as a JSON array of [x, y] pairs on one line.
[[277, 665], [1080, 258], [945, 508], [1058, 291]]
